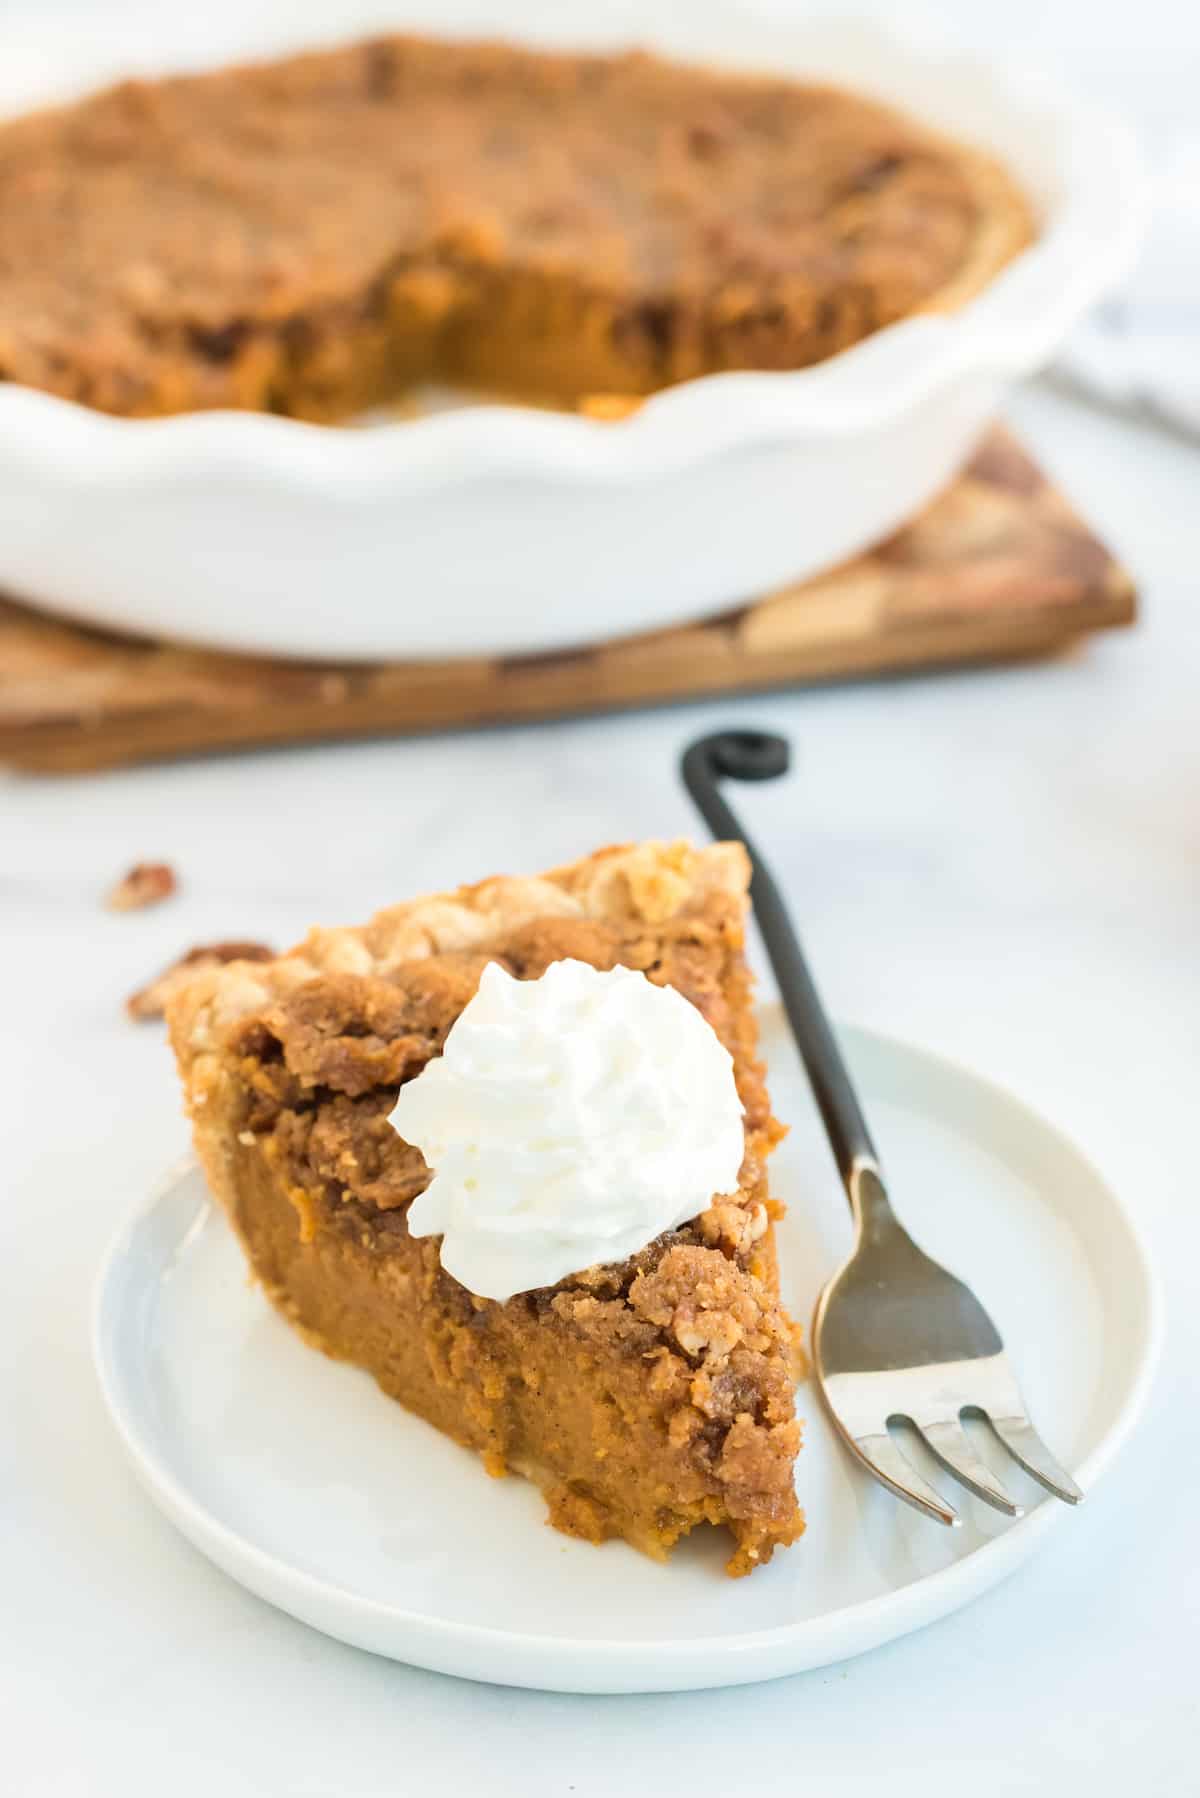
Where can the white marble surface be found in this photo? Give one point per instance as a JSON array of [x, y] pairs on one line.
[[1004, 865]]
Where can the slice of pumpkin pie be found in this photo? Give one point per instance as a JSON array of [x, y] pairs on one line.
[[505, 1149]]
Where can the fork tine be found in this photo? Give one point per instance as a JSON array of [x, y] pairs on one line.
[[1026, 1446], [882, 1458], [953, 1448]]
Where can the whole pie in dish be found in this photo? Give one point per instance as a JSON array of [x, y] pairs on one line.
[[311, 236], [645, 1397]]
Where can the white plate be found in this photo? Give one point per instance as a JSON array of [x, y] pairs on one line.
[[499, 530], [301, 1480]]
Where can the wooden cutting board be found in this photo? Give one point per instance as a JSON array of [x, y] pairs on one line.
[[998, 567]]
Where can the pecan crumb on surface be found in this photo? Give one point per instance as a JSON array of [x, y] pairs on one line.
[[147, 883], [151, 1001]]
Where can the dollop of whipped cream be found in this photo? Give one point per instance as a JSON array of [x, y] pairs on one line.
[[569, 1120]]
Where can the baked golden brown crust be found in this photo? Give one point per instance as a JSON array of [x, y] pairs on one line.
[[643, 1397], [651, 882], [312, 235]]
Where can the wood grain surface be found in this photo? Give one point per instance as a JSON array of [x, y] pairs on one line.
[[998, 567]]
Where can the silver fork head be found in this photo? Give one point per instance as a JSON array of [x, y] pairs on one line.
[[898, 1338]]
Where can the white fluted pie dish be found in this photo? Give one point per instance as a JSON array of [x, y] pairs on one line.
[[496, 529]]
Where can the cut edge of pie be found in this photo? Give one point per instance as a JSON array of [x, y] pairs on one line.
[[643, 1398]]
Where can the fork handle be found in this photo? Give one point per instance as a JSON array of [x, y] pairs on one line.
[[757, 755]]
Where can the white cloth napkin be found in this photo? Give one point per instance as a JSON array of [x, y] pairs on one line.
[[1141, 348]]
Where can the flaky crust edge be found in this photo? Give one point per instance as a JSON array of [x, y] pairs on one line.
[[1005, 225], [651, 881]]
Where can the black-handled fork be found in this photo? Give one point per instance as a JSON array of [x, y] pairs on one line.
[[895, 1336]]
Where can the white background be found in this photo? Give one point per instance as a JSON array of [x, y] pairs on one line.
[[1004, 865]]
